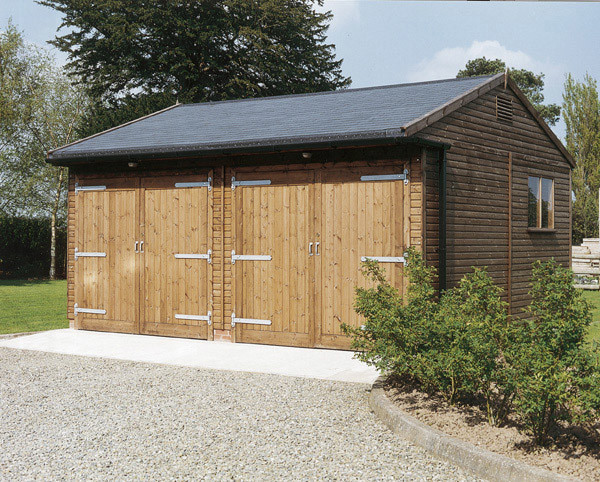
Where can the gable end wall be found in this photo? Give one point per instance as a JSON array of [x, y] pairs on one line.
[[478, 194]]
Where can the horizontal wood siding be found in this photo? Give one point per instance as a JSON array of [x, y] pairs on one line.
[[477, 193]]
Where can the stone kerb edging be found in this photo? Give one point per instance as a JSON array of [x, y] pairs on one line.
[[475, 460]]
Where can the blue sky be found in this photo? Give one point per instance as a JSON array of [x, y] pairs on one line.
[[387, 42]]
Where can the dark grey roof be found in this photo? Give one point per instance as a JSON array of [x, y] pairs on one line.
[[353, 114]]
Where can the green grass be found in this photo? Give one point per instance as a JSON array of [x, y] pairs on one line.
[[594, 298], [34, 305]]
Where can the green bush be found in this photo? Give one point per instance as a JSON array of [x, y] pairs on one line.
[[395, 334], [464, 345], [451, 346], [473, 329], [555, 372], [25, 248]]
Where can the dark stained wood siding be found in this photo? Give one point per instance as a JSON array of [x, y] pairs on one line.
[[477, 193]]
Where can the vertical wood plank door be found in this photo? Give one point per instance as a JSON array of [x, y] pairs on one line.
[[177, 234], [359, 218], [106, 265], [273, 281]]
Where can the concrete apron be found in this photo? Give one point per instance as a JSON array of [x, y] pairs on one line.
[[280, 360]]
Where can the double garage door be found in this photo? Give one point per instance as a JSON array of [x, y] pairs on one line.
[[145, 251]]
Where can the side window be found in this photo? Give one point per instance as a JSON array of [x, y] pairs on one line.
[[540, 203]]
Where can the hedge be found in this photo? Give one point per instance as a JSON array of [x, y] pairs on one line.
[[25, 248]]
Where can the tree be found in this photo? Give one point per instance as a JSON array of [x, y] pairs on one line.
[[581, 112], [531, 84], [127, 53], [40, 111]]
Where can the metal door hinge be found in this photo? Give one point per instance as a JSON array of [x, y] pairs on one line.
[[249, 257], [207, 318], [77, 310], [384, 259], [207, 184], [259, 182], [249, 321], [207, 256], [387, 177], [83, 254], [88, 188]]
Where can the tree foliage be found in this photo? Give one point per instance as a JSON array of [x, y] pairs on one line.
[[137, 57], [531, 84], [41, 110], [581, 112]]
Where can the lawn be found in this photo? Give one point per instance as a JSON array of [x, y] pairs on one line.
[[32, 305], [38, 305], [594, 298]]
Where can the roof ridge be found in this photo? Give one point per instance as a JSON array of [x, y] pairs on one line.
[[339, 91]]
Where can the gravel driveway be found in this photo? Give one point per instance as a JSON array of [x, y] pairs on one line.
[[67, 417]]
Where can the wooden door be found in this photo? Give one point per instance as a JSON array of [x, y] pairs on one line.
[[273, 275], [176, 234], [363, 214], [106, 264]]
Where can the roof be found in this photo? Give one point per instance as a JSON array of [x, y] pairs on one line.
[[324, 118]]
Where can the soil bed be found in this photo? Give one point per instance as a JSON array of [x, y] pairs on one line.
[[574, 452]]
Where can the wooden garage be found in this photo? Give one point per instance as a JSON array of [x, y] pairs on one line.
[[248, 220]]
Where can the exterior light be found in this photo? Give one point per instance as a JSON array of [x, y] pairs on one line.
[[307, 155], [132, 164]]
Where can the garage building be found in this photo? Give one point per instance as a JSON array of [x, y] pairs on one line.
[[247, 220]]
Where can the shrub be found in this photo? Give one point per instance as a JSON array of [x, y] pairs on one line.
[[464, 345], [555, 372], [450, 347], [472, 330], [395, 333]]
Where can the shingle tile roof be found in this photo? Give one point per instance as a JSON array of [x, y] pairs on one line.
[[365, 113]]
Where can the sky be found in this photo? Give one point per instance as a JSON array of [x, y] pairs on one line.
[[389, 42]]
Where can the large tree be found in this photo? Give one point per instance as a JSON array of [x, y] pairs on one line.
[[581, 112], [531, 84], [137, 57], [40, 110]]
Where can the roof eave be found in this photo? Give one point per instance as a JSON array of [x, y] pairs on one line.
[[380, 138]]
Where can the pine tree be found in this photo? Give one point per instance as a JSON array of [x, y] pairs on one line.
[[138, 57]]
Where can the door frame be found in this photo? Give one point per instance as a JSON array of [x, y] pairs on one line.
[[179, 177], [111, 183], [275, 337]]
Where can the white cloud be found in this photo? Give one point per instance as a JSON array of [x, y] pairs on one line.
[[447, 62]]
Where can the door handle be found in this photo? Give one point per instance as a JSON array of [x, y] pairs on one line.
[[310, 252], [317, 248], [135, 250], [141, 246]]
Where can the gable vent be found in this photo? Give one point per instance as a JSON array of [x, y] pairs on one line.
[[504, 109]]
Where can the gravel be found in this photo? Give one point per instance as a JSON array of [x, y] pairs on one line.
[[68, 417]]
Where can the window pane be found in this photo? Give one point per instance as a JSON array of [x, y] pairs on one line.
[[547, 204], [534, 195]]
